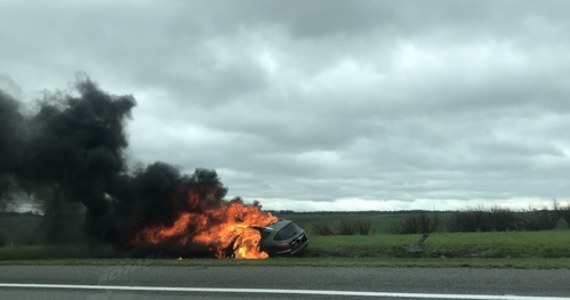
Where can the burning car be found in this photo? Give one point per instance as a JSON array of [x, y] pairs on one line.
[[283, 238]]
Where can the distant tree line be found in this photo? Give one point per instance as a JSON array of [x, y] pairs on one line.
[[483, 220], [472, 220]]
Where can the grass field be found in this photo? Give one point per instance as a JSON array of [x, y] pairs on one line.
[[510, 249], [545, 244], [381, 222], [544, 249], [530, 263]]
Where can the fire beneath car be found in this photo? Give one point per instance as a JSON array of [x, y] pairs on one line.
[[226, 229]]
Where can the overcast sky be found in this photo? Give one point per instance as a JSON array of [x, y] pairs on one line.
[[323, 105]]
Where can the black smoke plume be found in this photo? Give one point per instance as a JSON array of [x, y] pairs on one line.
[[11, 132], [70, 155]]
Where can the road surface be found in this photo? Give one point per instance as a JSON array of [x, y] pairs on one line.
[[140, 281]]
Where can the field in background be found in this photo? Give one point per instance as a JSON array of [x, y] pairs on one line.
[[382, 242], [388, 222], [23, 241], [381, 222], [549, 244]]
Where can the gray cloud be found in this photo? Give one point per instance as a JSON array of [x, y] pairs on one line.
[[309, 103]]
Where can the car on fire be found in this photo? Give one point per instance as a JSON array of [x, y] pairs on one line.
[[283, 238]]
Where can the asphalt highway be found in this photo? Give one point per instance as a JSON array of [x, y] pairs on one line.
[[140, 281]]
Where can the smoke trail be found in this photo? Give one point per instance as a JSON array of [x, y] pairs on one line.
[[68, 152], [11, 133], [154, 196], [70, 155]]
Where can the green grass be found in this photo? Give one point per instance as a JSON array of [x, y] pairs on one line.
[[542, 244], [545, 244], [530, 263], [543, 249]]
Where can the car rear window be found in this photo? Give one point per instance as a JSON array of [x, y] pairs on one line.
[[265, 233], [287, 232]]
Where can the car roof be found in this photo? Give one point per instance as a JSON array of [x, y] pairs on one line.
[[279, 224]]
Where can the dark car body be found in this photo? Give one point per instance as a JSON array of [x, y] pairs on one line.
[[283, 238]]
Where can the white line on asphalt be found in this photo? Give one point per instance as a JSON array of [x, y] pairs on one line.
[[275, 291]]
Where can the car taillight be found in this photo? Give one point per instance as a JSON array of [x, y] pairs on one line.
[[281, 246]]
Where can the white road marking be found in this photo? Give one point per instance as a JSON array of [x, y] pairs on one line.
[[276, 291]]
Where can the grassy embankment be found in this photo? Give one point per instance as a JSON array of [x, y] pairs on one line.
[[544, 249]]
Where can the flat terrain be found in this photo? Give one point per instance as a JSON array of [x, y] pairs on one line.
[[23, 244]]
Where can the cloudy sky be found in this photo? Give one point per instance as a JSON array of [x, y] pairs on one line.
[[323, 105]]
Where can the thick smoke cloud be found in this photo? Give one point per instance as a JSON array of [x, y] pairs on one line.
[[70, 155], [11, 125], [153, 196]]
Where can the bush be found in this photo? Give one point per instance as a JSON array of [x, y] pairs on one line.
[[346, 228], [364, 227], [540, 220], [343, 227], [503, 220], [565, 214], [322, 229], [470, 221], [420, 223]]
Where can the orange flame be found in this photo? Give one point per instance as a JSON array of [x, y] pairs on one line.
[[225, 229]]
